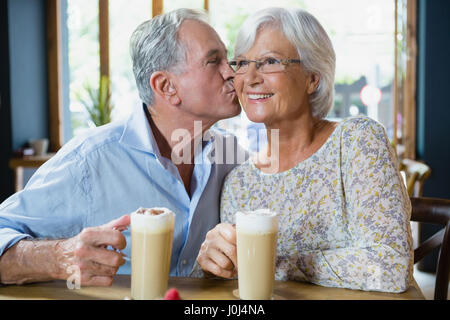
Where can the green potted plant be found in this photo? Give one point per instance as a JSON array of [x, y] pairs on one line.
[[98, 102]]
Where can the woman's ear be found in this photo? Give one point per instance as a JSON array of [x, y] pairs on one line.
[[313, 83], [163, 87]]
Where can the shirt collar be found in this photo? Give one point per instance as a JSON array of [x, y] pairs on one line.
[[138, 134]]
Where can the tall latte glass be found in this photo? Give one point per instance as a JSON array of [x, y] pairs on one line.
[[256, 233], [151, 249]]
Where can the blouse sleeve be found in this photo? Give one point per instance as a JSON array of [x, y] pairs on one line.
[[228, 205], [377, 210]]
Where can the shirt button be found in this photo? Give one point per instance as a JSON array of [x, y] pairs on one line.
[[184, 262]]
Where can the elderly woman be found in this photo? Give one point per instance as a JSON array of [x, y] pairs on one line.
[[343, 209]]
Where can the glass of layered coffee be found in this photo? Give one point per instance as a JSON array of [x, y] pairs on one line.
[[256, 233], [151, 249]]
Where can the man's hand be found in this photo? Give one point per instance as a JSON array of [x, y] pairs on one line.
[[88, 250], [218, 252]]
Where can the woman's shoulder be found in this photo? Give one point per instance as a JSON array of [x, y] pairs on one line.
[[361, 126], [239, 172], [360, 123]]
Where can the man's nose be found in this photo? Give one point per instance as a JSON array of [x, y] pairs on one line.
[[227, 72]]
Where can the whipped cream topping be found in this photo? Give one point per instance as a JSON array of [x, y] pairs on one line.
[[152, 220], [257, 221]]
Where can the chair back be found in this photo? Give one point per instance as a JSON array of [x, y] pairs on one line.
[[436, 211], [416, 173]]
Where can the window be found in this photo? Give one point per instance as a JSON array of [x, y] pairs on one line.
[[362, 32], [124, 18], [170, 5], [83, 57], [362, 35]]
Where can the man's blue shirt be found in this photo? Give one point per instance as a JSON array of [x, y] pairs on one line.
[[113, 170]]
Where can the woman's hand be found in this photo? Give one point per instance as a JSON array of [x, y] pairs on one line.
[[217, 254]]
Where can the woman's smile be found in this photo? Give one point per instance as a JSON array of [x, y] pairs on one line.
[[258, 97]]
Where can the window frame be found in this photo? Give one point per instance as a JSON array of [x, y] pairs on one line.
[[404, 85], [54, 69]]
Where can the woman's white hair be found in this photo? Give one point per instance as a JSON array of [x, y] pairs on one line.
[[154, 46], [313, 45]]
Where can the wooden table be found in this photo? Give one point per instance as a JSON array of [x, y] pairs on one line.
[[198, 289], [17, 164]]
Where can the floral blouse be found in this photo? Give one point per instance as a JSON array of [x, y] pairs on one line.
[[343, 212]]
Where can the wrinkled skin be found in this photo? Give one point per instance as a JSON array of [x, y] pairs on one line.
[[218, 255], [43, 260]]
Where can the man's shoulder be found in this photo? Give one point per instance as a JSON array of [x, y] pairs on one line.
[[227, 148], [93, 139], [227, 136], [221, 133]]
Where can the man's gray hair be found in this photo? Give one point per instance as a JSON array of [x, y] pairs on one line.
[[154, 46], [311, 41]]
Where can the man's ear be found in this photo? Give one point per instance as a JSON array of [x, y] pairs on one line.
[[162, 86], [313, 82]]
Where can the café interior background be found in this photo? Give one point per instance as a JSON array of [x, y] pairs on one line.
[[361, 31]]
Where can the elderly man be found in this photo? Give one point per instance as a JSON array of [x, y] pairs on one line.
[[74, 210]]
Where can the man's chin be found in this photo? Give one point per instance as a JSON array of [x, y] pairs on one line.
[[235, 110]]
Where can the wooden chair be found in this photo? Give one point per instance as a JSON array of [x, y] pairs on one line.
[[416, 173], [436, 211]]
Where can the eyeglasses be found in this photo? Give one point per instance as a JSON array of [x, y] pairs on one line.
[[268, 65]]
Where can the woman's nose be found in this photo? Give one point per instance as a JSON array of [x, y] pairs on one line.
[[252, 76]]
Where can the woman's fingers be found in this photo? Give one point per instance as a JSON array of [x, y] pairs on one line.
[[227, 249], [218, 252], [210, 266], [219, 258], [228, 232]]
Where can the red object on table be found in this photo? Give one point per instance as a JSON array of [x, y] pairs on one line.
[[172, 294]]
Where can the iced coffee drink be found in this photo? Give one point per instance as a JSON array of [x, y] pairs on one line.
[[151, 249], [256, 233]]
